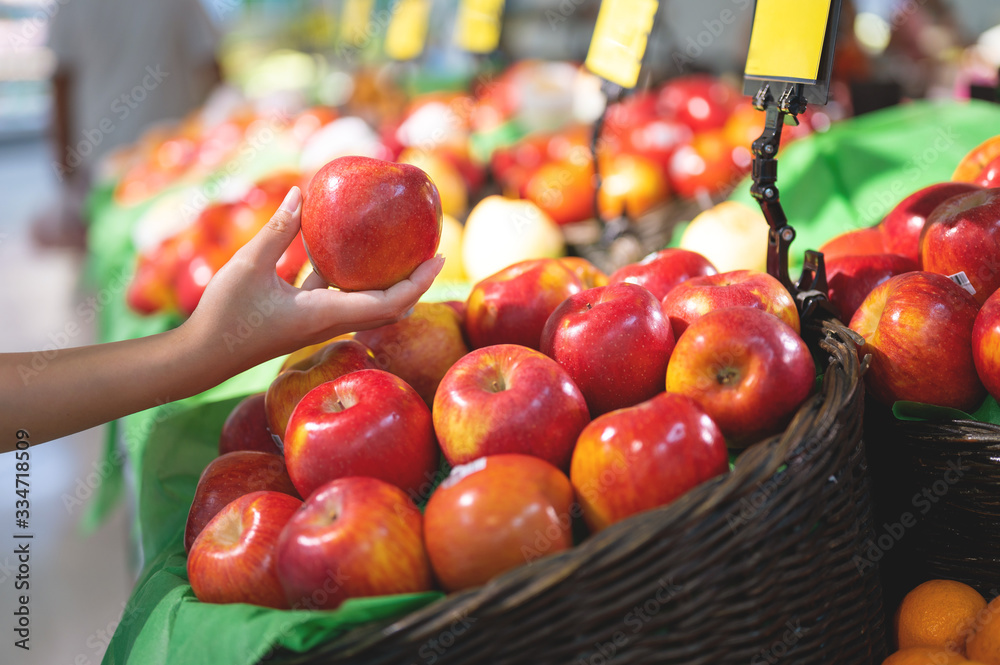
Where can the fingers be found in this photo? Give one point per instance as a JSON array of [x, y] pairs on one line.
[[271, 241]]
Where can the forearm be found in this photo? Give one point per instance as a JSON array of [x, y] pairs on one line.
[[79, 388]]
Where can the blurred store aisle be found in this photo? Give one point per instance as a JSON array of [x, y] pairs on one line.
[[78, 583]]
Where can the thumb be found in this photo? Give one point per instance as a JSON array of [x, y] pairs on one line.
[[271, 241]]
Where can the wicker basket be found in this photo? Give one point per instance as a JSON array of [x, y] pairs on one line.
[[946, 477], [750, 567]]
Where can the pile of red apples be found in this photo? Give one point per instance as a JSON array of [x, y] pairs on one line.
[[469, 438], [920, 287]]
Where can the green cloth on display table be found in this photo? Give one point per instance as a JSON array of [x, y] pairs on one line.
[[830, 183], [852, 175]]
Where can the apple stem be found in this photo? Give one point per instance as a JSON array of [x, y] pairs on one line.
[[727, 376]]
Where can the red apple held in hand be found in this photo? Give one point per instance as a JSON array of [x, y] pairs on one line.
[[233, 559], [986, 344], [420, 348], [355, 537], [644, 456], [737, 288], [229, 477], [852, 278], [614, 342], [855, 243], [368, 223], [508, 399], [963, 235], [246, 428], [901, 228], [367, 423], [918, 330], [512, 306], [495, 514], [291, 261], [749, 370], [661, 271], [333, 360]]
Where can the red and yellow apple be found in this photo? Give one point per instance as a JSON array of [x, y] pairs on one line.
[[495, 514], [508, 399], [227, 478], [233, 558], [419, 348], [245, 428], [963, 235], [511, 306], [331, 361], [739, 288], [355, 537], [368, 223], [748, 369], [986, 344], [589, 274], [644, 456], [869, 240], [976, 160], [614, 342], [661, 271], [918, 331], [366, 423]]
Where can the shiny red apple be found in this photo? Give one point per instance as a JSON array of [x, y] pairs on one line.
[[963, 235], [852, 278], [738, 288], [368, 223], [495, 514], [290, 386], [227, 478], [644, 456], [512, 305], [614, 342], [508, 399], [749, 370], [366, 423], [419, 348], [918, 331], [700, 101], [233, 559], [901, 228], [661, 271], [990, 175], [355, 537]]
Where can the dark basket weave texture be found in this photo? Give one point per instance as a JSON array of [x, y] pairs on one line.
[[946, 477], [758, 566]]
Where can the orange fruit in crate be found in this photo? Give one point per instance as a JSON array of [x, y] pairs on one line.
[[926, 656], [984, 643], [938, 613]]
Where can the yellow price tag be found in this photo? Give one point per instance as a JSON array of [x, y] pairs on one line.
[[354, 20], [477, 28], [786, 42], [407, 33], [619, 40]]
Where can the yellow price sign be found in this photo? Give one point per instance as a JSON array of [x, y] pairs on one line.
[[407, 32], [786, 42], [354, 18], [619, 40], [477, 28]]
